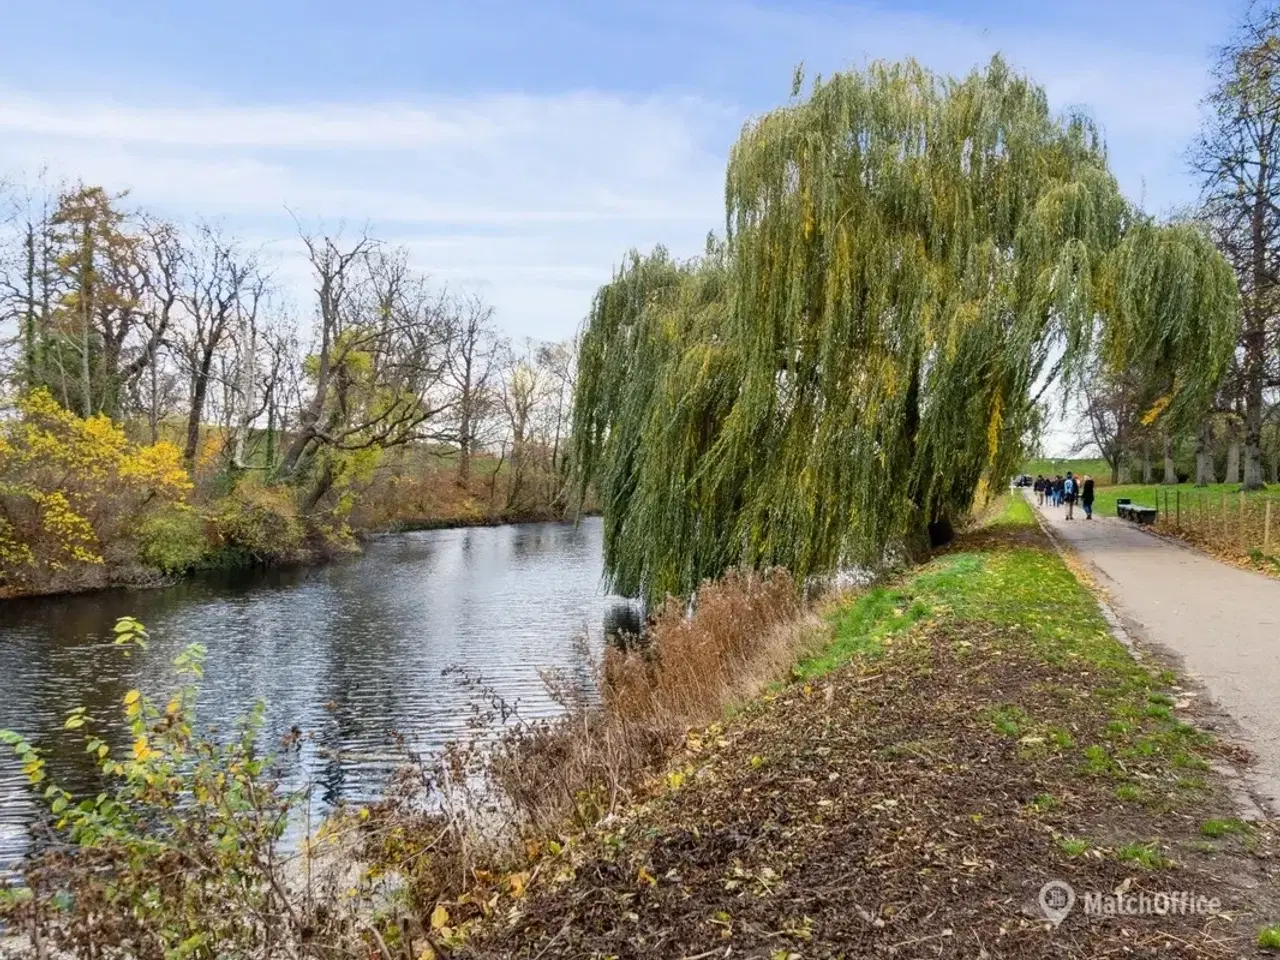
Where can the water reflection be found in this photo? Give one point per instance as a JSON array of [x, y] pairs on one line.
[[347, 653]]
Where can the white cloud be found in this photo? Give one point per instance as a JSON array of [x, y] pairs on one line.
[[531, 198], [534, 198]]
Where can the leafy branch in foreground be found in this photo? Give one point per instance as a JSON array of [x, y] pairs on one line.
[[180, 853]]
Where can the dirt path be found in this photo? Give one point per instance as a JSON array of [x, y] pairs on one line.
[[1221, 623]]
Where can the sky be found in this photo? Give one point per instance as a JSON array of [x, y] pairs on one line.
[[521, 148]]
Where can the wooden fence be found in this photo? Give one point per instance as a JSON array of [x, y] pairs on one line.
[[1236, 522]]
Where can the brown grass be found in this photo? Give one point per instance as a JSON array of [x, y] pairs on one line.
[[745, 632], [458, 829]]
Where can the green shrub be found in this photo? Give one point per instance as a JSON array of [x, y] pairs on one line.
[[172, 541], [181, 855], [259, 524]]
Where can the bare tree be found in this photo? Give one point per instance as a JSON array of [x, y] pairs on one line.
[[471, 369], [377, 375], [522, 385], [1238, 159], [220, 286]]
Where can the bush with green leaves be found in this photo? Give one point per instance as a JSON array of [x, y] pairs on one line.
[[257, 524], [172, 542], [180, 854]]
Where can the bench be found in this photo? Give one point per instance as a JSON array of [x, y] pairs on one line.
[[1126, 509]]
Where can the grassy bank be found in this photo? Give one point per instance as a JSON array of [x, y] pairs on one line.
[[1047, 466], [969, 733], [899, 773]]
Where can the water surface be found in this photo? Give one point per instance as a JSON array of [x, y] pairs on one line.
[[348, 652]]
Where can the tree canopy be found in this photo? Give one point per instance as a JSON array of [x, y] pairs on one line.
[[908, 257]]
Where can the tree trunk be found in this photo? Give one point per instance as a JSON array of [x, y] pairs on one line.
[[464, 445], [153, 412], [198, 391], [271, 432], [1146, 462], [1255, 320], [1204, 453], [29, 347], [1253, 439], [1233, 454], [323, 481], [86, 295], [1170, 469], [244, 391]]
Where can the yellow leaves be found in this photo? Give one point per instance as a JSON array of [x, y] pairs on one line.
[[516, 884], [1157, 408], [158, 466], [675, 779], [79, 477], [142, 751], [439, 917], [644, 876]]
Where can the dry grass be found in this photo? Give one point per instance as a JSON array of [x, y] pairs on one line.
[[461, 829], [688, 671]]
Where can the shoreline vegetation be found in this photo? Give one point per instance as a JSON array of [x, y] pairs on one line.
[[83, 507], [908, 764]]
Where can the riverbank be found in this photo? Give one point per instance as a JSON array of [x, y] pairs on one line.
[[969, 734], [139, 578], [900, 773], [465, 521]]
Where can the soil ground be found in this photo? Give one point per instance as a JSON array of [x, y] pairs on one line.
[[973, 732]]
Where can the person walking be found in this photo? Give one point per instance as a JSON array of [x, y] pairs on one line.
[[1038, 487], [1069, 494], [1086, 497]]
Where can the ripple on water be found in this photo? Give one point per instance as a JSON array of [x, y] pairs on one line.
[[348, 652]]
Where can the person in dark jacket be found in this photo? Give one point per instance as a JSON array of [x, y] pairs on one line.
[[1069, 493], [1038, 487], [1086, 497]]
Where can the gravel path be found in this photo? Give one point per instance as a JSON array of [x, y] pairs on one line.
[[1220, 622]]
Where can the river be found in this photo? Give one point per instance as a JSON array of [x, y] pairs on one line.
[[347, 652]]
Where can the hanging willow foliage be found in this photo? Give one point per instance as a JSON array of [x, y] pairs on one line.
[[907, 257]]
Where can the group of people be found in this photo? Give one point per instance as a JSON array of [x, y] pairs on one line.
[[1065, 491]]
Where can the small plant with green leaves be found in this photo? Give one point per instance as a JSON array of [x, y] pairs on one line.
[[1216, 829], [1074, 846], [1269, 937], [180, 854], [1145, 855]]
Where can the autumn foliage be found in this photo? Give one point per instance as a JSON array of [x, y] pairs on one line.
[[77, 496]]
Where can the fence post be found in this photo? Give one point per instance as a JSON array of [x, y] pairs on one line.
[[1177, 507], [1242, 543], [1266, 529], [1224, 514]]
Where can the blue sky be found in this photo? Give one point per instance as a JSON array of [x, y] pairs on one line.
[[521, 148]]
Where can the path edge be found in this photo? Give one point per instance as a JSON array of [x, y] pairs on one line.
[[1248, 800]]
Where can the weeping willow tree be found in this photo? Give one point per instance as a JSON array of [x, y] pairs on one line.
[[908, 258]]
